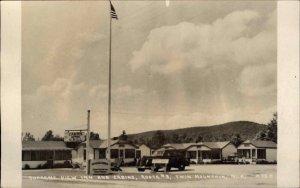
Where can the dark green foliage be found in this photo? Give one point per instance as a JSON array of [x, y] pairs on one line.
[[175, 138], [123, 136], [236, 139], [270, 132], [50, 137], [158, 139], [28, 137], [265, 162], [245, 129], [199, 139], [39, 166], [26, 166], [94, 136]]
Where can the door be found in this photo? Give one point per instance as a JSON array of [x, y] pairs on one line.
[[121, 153]]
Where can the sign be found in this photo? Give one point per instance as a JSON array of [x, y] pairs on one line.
[[74, 136], [160, 161], [99, 166]]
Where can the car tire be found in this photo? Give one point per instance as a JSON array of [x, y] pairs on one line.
[[182, 168], [141, 169], [168, 168]]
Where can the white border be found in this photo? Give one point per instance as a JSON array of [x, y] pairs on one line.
[[288, 94], [11, 94]]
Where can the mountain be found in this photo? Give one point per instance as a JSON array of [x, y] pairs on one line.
[[222, 132]]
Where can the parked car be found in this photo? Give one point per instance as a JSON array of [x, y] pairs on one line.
[[164, 159]]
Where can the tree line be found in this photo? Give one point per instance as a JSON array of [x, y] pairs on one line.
[[49, 136], [159, 138]]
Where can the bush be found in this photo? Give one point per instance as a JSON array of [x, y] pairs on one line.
[[48, 164], [75, 165], [39, 166], [26, 167], [65, 164], [265, 162], [133, 163], [229, 162], [216, 162]]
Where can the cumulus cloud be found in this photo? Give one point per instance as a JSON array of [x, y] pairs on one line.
[[232, 39], [258, 80]]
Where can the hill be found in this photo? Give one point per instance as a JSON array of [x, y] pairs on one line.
[[222, 132]]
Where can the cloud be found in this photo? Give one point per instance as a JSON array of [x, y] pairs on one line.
[[121, 92], [232, 39], [258, 80]]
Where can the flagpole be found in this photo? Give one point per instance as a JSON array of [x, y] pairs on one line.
[[109, 96]]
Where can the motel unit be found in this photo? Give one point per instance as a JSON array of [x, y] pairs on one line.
[[258, 150], [119, 150], [204, 152], [37, 153]]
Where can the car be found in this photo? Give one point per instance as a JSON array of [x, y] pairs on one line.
[[167, 159]]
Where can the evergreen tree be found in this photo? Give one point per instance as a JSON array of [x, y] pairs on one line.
[[270, 133], [236, 139], [94, 136], [123, 136], [28, 137]]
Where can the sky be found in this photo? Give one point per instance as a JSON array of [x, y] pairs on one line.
[[191, 63]]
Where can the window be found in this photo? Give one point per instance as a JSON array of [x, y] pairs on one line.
[[84, 154], [129, 153], [261, 154], [50, 155], [192, 154], [206, 155], [67, 155], [43, 155], [26, 156], [244, 153], [215, 154], [102, 153], [138, 153], [58, 155], [33, 158], [121, 153], [114, 153]]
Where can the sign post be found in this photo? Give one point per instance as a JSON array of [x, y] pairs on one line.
[[88, 144]]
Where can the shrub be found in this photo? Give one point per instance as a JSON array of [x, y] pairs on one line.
[[26, 166], [216, 162], [39, 166], [133, 163], [48, 164], [265, 162], [75, 165], [67, 164]]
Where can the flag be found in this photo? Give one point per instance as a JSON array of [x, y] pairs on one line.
[[113, 13]]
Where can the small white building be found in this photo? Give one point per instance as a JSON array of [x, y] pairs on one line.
[[37, 153], [121, 150], [142, 150], [205, 152], [256, 150]]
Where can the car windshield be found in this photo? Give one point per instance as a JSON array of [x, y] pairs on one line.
[[168, 153]]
